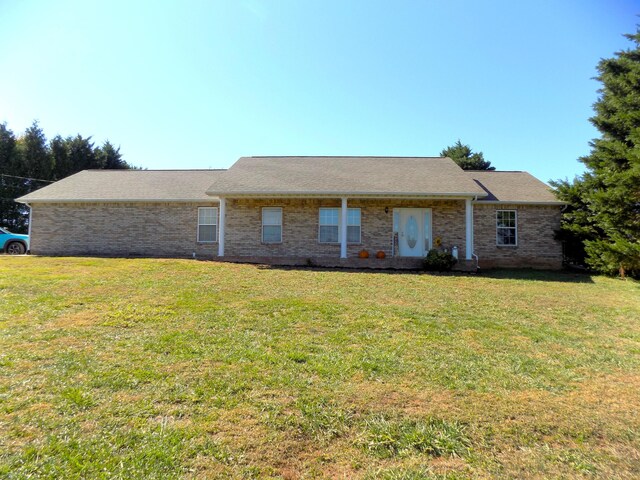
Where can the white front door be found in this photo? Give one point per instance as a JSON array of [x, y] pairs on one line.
[[414, 227]]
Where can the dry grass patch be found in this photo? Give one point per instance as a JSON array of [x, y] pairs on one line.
[[115, 368]]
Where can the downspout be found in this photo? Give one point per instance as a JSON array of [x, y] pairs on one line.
[[469, 228], [473, 253], [222, 212], [29, 231]]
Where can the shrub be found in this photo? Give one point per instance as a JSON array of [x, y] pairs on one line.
[[439, 261]]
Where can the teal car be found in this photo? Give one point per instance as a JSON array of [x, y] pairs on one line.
[[13, 243]]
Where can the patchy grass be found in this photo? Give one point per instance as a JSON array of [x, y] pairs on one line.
[[115, 368]]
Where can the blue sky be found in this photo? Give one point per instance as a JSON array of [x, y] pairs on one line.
[[197, 84]]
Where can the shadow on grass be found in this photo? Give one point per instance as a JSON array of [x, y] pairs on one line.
[[563, 276]]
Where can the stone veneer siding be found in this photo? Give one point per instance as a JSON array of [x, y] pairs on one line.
[[536, 246], [118, 229], [300, 225]]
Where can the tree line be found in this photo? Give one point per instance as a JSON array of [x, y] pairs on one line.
[[29, 161]]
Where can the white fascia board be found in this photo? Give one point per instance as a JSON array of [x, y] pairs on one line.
[[400, 196], [120, 200], [510, 202]]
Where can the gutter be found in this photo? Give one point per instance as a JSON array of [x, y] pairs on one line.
[[514, 202], [119, 200]]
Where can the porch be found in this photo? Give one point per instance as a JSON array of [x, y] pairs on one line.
[[388, 263]]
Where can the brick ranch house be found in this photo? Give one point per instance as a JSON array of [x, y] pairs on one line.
[[291, 211]]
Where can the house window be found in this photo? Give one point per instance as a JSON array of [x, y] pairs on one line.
[[330, 225], [506, 228], [353, 225], [207, 224], [272, 225]]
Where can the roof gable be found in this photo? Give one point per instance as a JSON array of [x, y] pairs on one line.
[[390, 176], [513, 187]]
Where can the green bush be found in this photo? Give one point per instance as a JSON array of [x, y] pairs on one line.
[[439, 261]]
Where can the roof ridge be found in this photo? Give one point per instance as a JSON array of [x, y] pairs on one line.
[[337, 156], [155, 170], [497, 171]]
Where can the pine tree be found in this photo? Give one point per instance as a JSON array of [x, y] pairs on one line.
[[34, 158], [7, 149], [110, 157], [82, 155], [607, 196], [466, 158], [62, 166]]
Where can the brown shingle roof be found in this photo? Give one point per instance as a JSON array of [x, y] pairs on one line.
[[390, 176], [128, 185], [513, 187]]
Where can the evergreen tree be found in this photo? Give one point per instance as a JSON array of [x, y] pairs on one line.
[[466, 158], [605, 201], [34, 158], [82, 155], [29, 162], [62, 166], [110, 157], [7, 149], [10, 187]]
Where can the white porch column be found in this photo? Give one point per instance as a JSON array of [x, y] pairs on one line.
[[343, 230], [223, 205], [469, 228]]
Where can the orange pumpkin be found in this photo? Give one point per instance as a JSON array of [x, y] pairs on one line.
[[363, 254], [380, 254]]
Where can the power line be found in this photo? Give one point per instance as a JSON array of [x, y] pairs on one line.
[[27, 178]]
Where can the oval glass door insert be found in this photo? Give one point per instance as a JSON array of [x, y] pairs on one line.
[[412, 232]]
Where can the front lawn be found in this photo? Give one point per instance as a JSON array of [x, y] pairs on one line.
[[116, 368]]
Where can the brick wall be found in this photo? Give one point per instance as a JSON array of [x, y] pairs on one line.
[[170, 229], [119, 229], [300, 225], [536, 246]]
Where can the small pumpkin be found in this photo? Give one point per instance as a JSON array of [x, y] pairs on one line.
[[363, 253], [380, 254]]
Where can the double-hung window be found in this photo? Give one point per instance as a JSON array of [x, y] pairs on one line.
[[506, 228], [353, 225], [272, 225], [207, 224], [329, 231]]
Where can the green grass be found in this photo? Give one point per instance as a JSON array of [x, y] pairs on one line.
[[116, 368]]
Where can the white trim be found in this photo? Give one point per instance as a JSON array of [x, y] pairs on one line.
[[263, 225], [359, 225], [215, 219], [402, 195], [338, 225], [507, 202], [343, 233], [427, 241], [468, 229], [120, 200], [222, 213], [510, 228]]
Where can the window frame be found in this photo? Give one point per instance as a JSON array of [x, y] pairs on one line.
[[339, 225], [359, 225], [514, 228], [262, 225], [215, 219]]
